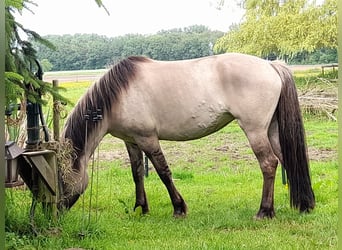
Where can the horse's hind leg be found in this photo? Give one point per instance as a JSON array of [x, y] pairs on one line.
[[268, 161], [153, 151], [137, 165], [273, 135]]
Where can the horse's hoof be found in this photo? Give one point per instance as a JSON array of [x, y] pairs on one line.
[[179, 215], [180, 211], [141, 209], [264, 214]]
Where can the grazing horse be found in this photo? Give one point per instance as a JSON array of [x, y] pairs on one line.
[[144, 101]]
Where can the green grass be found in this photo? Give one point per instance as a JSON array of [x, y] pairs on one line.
[[221, 206], [219, 179]]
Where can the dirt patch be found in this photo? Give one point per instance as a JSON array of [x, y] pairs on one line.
[[236, 151], [112, 156], [322, 154], [72, 78]]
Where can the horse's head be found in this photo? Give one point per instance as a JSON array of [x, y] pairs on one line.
[[73, 182]]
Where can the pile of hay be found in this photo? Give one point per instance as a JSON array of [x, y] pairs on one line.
[[65, 155], [320, 99]]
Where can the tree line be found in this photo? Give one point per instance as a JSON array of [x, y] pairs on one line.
[[91, 51]]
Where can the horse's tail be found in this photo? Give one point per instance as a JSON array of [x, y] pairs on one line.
[[292, 142]]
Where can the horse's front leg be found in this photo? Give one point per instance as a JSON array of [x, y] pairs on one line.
[[153, 151], [137, 165]]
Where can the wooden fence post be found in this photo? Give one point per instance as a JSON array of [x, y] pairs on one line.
[[56, 116]]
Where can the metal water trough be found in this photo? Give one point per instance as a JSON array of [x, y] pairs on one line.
[[12, 151]]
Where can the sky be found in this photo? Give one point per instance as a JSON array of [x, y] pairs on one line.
[[58, 17]]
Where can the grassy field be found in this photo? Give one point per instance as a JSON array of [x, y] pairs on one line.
[[221, 182]]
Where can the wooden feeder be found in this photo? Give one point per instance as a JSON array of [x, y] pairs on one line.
[[12, 152], [39, 171]]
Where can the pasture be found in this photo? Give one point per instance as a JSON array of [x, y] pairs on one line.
[[219, 179]]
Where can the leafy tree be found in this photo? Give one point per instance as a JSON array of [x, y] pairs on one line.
[[283, 27]]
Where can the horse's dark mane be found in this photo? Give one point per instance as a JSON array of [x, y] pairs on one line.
[[101, 95]]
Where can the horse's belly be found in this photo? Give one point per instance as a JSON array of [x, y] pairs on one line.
[[193, 126]]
